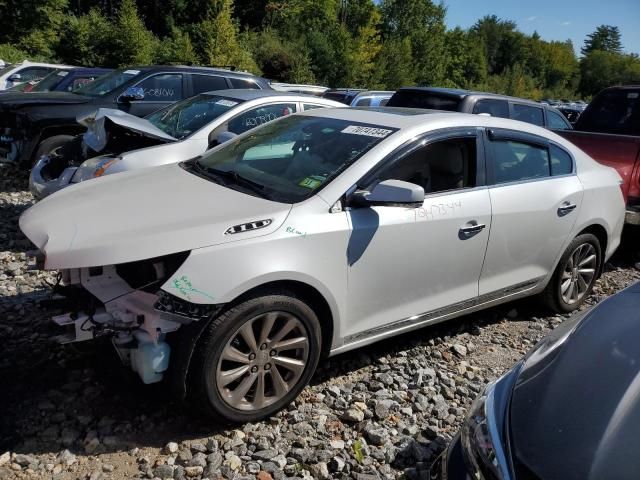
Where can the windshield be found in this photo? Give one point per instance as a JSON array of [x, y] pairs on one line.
[[50, 82], [107, 83], [429, 100], [289, 159], [183, 118]]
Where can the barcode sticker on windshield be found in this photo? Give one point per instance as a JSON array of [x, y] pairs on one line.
[[226, 103], [367, 131], [632, 95], [132, 72]]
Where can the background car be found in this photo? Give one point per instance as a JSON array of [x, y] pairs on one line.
[[319, 233], [299, 88], [62, 80], [355, 97], [35, 124], [570, 409], [25, 72], [176, 133], [467, 101]]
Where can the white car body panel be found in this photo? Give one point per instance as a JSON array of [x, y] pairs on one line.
[[152, 212]]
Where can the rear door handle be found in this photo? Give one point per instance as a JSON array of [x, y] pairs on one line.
[[566, 208], [470, 229]]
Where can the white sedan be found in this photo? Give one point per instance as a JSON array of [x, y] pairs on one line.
[[319, 233], [120, 142]]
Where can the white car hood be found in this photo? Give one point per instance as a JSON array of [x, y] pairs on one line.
[[96, 134], [142, 214]]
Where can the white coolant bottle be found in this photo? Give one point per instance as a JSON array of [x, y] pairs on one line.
[[151, 358]]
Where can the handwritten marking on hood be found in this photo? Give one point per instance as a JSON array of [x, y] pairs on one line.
[[294, 231]]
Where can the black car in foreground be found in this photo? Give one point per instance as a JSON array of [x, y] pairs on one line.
[[569, 410], [34, 124]]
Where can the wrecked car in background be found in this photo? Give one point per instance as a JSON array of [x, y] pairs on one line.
[[34, 124], [66, 79], [118, 142], [231, 274]]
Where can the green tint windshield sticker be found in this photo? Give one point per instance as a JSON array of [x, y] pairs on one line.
[[367, 131], [312, 182]]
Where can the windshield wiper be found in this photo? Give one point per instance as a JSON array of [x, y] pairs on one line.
[[236, 178]]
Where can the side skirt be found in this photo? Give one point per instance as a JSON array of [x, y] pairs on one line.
[[436, 316]]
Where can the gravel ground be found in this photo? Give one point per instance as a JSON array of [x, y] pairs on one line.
[[381, 412]]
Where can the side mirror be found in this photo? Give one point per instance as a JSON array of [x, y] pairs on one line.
[[221, 138], [391, 193], [16, 77], [132, 93]]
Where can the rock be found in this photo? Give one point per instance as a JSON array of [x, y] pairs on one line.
[[25, 460], [234, 462], [337, 464], [353, 415], [171, 447], [459, 350], [184, 455], [198, 460], [92, 445], [320, 470], [107, 467], [337, 444], [5, 458], [215, 459], [163, 471], [513, 313], [376, 435], [384, 408], [262, 475], [193, 471], [264, 455], [66, 458]]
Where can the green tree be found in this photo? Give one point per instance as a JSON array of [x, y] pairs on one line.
[[282, 60], [130, 42], [600, 69], [86, 40], [394, 64], [176, 48], [606, 38]]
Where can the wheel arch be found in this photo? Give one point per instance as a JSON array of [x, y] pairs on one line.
[[307, 293], [601, 234]]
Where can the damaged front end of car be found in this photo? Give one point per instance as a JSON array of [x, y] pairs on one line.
[[109, 134], [125, 303]]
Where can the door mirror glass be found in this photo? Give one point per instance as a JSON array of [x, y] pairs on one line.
[[133, 93], [391, 193], [16, 77], [221, 138]]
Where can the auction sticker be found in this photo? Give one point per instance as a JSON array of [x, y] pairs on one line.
[[367, 131], [226, 103], [312, 182], [131, 72]]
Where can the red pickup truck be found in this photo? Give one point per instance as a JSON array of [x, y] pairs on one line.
[[609, 131]]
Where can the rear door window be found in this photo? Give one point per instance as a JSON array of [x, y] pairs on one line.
[[556, 121], [165, 87], [561, 161], [495, 108], [363, 102], [514, 161], [208, 83], [529, 114]]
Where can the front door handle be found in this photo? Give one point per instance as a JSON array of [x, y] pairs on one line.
[[566, 208], [470, 229]]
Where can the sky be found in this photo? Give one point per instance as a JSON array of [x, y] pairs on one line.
[[555, 19]]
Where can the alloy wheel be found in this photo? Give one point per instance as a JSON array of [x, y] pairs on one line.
[[579, 273], [263, 360]]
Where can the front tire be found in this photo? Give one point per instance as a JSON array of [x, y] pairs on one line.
[[49, 145], [575, 275], [256, 357]]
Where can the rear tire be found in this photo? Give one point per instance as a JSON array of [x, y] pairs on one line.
[[575, 275], [255, 357], [50, 144]]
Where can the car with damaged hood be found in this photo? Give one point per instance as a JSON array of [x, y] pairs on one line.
[[229, 276], [569, 409], [119, 142], [34, 124]]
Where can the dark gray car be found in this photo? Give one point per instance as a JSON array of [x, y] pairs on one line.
[[569, 410], [467, 101]]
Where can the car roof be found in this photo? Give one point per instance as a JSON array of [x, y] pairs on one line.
[[90, 69], [460, 94], [252, 94], [171, 68]]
